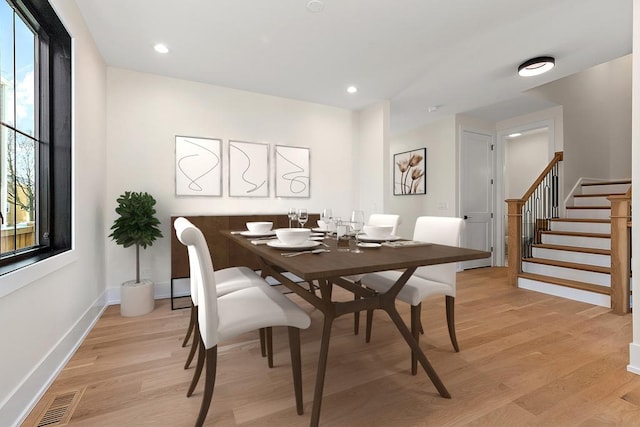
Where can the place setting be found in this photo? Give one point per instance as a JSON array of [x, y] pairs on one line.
[[295, 239], [374, 235]]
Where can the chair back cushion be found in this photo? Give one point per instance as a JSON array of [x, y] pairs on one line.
[[385, 219], [202, 271], [442, 231]]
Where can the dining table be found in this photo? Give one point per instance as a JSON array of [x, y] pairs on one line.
[[327, 269]]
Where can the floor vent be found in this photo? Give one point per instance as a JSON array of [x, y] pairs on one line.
[[60, 408]]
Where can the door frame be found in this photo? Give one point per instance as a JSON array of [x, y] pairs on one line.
[[500, 205], [491, 134]]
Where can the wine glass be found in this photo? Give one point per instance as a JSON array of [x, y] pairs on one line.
[[293, 215], [303, 217], [327, 217], [357, 222]]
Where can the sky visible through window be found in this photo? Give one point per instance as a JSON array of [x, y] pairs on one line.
[[16, 76]]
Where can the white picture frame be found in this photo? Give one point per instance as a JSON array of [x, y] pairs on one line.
[[198, 168], [248, 169], [292, 171]]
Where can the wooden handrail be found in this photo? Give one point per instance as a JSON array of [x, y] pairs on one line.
[[556, 158]]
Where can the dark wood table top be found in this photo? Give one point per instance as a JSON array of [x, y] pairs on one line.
[[335, 264]]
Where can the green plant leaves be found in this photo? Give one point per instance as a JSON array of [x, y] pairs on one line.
[[137, 224]]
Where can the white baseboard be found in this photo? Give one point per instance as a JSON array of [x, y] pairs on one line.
[[634, 358], [24, 398]]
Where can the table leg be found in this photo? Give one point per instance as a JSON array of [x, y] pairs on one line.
[[322, 369], [415, 348]]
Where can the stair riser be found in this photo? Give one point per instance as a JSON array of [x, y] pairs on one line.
[[604, 189], [570, 256], [564, 292], [579, 241], [591, 201], [589, 213], [567, 273], [581, 227]]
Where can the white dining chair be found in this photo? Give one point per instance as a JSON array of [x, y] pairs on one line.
[[222, 318], [227, 280], [374, 219], [426, 281]]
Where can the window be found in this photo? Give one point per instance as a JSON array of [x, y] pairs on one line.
[[35, 133]]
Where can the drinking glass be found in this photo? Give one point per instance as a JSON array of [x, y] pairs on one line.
[[357, 222], [342, 236], [293, 215], [327, 217], [303, 217]]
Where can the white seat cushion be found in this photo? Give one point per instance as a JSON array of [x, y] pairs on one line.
[[257, 307], [415, 290], [235, 278]]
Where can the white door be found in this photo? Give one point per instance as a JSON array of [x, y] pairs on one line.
[[476, 194]]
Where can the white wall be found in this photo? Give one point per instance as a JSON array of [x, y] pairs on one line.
[[145, 112], [597, 120], [59, 299], [525, 157], [440, 140], [370, 175]]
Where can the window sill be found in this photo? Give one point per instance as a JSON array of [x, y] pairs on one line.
[[32, 271]]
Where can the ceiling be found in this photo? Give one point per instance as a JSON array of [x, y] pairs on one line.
[[460, 56]]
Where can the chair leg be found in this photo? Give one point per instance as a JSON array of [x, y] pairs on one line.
[[210, 382], [416, 325], [450, 303], [369, 325], [198, 371], [356, 318], [194, 343], [192, 323], [269, 334], [296, 366], [263, 349]]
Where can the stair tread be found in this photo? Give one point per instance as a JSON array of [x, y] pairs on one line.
[[566, 264], [573, 249], [599, 195], [605, 290], [595, 220], [617, 181], [577, 234]]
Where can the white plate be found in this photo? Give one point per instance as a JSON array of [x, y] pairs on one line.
[[320, 230], [248, 233], [366, 238], [369, 245], [304, 245], [317, 235], [316, 238]]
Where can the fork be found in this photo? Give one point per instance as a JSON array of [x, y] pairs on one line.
[[314, 251]]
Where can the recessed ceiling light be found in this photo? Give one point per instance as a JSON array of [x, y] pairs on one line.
[[536, 66], [515, 134], [160, 48], [315, 6], [352, 89], [432, 109]]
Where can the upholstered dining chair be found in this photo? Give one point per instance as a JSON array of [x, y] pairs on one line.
[[374, 219], [426, 281], [227, 280], [238, 312]]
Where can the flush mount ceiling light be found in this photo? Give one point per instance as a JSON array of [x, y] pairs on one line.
[[514, 135], [315, 6], [536, 66], [352, 89], [160, 48]]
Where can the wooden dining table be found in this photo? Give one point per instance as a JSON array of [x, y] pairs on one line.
[[324, 270]]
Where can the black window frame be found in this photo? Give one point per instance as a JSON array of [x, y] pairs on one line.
[[54, 116]]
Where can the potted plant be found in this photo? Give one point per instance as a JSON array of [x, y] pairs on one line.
[[136, 225]]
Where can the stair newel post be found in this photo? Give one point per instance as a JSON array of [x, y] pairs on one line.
[[514, 239], [620, 252]]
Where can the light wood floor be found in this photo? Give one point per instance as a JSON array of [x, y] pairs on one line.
[[526, 359]]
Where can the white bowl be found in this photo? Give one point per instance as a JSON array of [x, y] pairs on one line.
[[259, 227], [377, 231], [322, 224], [293, 236]]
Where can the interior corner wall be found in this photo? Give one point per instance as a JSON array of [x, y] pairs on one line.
[[439, 138], [47, 317], [144, 114], [370, 174], [597, 120]]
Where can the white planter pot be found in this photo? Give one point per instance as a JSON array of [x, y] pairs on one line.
[[136, 299]]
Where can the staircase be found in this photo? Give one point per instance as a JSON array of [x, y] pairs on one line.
[[573, 256]]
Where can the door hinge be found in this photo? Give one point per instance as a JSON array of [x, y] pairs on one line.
[[491, 147], [491, 249], [491, 214], [491, 181]]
